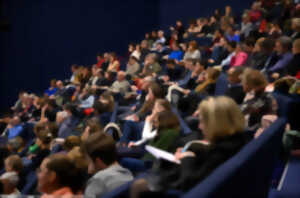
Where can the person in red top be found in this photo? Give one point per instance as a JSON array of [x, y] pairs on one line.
[[100, 60]]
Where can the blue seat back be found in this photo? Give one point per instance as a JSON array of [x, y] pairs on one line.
[[221, 85], [31, 183], [249, 172]]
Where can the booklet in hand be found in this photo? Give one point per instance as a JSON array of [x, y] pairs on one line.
[[161, 154]]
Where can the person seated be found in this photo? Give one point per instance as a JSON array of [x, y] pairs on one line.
[[34, 159], [100, 150], [283, 46], [176, 54], [161, 39], [257, 102], [114, 63], [151, 66], [92, 126], [292, 67], [14, 163], [9, 181], [192, 51], [69, 124], [16, 145], [231, 35], [52, 89], [147, 133], [103, 111], [144, 50], [133, 66], [173, 72], [235, 88], [198, 159], [14, 128], [87, 98], [57, 177], [121, 85], [240, 57]]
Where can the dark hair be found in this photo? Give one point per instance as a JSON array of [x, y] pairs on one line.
[[267, 44], [71, 142], [249, 41], [53, 128], [157, 90], [232, 44], [45, 136], [102, 146], [167, 120], [170, 61], [64, 168]]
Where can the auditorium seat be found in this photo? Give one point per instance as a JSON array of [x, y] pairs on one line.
[[185, 129], [247, 174], [289, 185], [221, 85]]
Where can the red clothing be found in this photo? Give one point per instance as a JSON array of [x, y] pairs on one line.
[[238, 59], [64, 192], [100, 62]]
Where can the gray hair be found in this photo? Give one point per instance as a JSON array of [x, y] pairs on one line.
[[286, 42]]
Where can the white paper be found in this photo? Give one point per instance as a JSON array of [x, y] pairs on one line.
[[161, 154]]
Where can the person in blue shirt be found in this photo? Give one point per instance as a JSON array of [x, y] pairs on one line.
[[14, 128], [52, 89], [176, 53], [231, 35]]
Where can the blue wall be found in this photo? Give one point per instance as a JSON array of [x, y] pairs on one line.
[[47, 36]]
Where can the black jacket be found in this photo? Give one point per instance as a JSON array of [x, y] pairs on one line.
[[194, 169]]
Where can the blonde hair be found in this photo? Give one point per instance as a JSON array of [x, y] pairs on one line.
[[221, 117]]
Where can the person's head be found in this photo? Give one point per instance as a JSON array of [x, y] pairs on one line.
[[132, 60], [151, 58], [59, 84], [94, 125], [74, 68], [266, 45], [15, 121], [100, 150], [38, 127], [108, 99], [71, 142], [61, 116], [212, 74], [101, 107], [200, 65], [44, 139], [13, 163], [160, 33], [56, 171], [189, 64], [167, 120], [253, 80], [234, 75], [161, 105], [155, 91], [154, 34], [230, 30], [296, 24], [53, 83], [113, 56], [283, 44], [131, 47], [193, 46], [144, 44], [175, 46], [178, 23], [227, 10], [15, 144], [248, 45], [296, 46], [231, 46], [220, 117], [109, 75], [99, 56], [9, 182], [121, 76], [170, 63]]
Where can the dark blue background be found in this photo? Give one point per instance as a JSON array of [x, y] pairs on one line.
[[47, 36]]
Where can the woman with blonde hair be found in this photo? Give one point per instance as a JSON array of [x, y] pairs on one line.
[[222, 124]]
